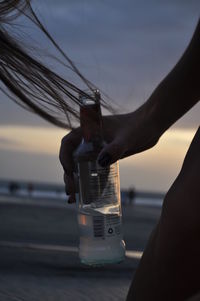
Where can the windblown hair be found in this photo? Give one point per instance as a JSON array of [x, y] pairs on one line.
[[29, 82]]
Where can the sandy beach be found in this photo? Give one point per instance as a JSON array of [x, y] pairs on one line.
[[39, 258]]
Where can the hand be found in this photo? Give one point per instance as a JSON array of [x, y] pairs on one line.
[[125, 135]]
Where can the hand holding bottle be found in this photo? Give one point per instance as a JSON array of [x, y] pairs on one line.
[[125, 134]]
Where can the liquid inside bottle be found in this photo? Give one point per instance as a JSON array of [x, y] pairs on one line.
[[99, 207]]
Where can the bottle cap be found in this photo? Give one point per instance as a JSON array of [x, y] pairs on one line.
[[90, 97]]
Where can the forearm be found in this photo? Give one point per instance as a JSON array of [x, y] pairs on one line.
[[180, 90]]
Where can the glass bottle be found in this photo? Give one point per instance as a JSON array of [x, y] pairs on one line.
[[99, 204]]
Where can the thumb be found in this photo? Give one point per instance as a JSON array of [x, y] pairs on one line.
[[110, 153]]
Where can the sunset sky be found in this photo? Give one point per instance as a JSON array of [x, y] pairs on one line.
[[125, 48]]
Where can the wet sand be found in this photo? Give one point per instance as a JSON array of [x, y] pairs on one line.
[[39, 259]]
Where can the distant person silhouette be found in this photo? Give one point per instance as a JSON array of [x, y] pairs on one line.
[[131, 196], [13, 187]]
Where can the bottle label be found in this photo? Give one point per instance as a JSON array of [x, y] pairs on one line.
[[99, 226], [113, 225], [106, 226]]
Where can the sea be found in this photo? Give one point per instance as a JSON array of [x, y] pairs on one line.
[[49, 191]]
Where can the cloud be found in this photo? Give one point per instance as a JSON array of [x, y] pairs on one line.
[[125, 47], [38, 160], [41, 140], [5, 142], [29, 166]]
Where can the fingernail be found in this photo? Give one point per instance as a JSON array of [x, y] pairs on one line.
[[104, 159]]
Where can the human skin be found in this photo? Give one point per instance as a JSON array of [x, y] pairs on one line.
[[169, 268], [140, 130]]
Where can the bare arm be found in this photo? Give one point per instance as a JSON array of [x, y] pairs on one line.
[[180, 90], [163, 257], [140, 130]]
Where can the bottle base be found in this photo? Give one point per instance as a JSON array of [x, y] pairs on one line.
[[98, 253], [99, 263]]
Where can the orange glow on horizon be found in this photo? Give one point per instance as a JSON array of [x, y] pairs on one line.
[[152, 169]]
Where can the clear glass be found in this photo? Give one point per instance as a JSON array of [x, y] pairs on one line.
[[99, 207], [99, 214]]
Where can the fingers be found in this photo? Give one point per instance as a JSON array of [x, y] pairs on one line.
[[68, 145], [70, 188], [110, 153]]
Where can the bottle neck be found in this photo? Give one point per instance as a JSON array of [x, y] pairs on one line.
[[91, 123]]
